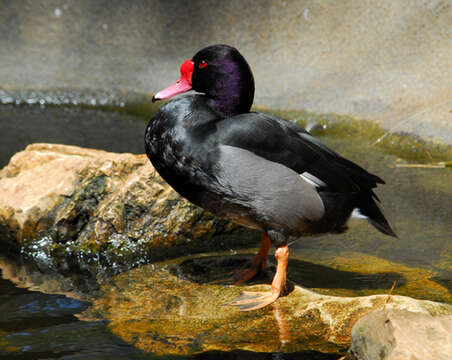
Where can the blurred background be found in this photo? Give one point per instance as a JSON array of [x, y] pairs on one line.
[[388, 61]]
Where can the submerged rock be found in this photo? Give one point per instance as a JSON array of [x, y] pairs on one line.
[[394, 334], [89, 211], [178, 307]]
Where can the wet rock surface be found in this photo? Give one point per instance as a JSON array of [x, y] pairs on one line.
[[394, 334], [89, 212], [177, 308], [180, 307]]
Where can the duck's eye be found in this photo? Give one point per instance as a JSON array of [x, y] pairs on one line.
[[202, 64]]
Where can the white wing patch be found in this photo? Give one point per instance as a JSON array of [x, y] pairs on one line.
[[356, 218], [311, 179], [357, 214]]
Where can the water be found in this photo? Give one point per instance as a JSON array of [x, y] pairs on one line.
[[38, 325], [39, 314], [86, 127]]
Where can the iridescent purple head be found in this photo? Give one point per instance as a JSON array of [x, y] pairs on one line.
[[223, 75]]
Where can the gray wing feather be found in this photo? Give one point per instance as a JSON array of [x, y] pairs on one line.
[[278, 194]]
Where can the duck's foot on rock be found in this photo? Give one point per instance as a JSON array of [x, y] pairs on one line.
[[253, 300]]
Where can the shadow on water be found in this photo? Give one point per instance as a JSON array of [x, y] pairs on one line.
[[215, 269], [445, 282]]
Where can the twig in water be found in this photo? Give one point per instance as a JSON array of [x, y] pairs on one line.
[[408, 117], [388, 298], [439, 165]]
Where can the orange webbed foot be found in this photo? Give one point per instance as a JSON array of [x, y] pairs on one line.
[[253, 300], [250, 300]]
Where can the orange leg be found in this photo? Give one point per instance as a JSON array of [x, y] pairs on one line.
[[258, 263], [251, 300]]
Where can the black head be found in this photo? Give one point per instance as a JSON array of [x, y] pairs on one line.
[[222, 74]]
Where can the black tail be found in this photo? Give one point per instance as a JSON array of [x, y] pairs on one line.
[[369, 208]]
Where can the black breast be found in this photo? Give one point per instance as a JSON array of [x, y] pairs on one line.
[[178, 144]]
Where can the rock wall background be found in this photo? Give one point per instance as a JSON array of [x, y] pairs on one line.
[[388, 61]]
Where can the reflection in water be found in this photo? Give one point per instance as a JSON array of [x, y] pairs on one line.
[[26, 275], [283, 327], [40, 325], [35, 325], [144, 306]]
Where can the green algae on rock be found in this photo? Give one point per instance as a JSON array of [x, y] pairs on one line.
[[349, 273], [402, 145]]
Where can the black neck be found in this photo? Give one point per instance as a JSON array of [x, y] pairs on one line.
[[233, 91]]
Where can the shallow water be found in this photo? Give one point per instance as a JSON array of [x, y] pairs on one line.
[[38, 325], [416, 201], [86, 127], [39, 321]]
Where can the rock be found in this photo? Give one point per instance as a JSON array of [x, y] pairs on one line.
[[78, 210], [395, 334], [178, 307]]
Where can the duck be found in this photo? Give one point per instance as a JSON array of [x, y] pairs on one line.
[[258, 170]]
